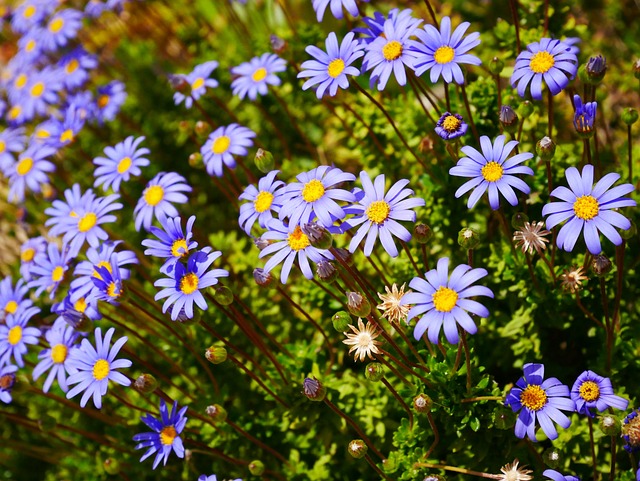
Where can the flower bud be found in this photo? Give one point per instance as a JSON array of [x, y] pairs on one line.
[[357, 448], [610, 425], [422, 403], [595, 69], [341, 321], [509, 119], [202, 128], [434, 477], [184, 125], [195, 160], [217, 413], [374, 371], [343, 255], [518, 219], [186, 320], [319, 237], [496, 66], [468, 238], [630, 232], [601, 265], [262, 278], [629, 116], [256, 467], [111, 466], [264, 161], [313, 389], [327, 272], [47, 423], [278, 45], [525, 109], [546, 148], [358, 305], [216, 354], [422, 233], [145, 384], [261, 243], [636, 69], [222, 295], [552, 457]]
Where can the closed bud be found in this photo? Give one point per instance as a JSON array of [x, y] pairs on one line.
[[111, 466], [610, 425], [546, 148], [183, 318], [518, 219], [358, 305], [145, 384], [422, 403], [496, 66], [468, 238], [327, 272], [48, 192], [216, 354], [256, 467], [630, 232], [422, 233], [629, 116], [374, 371], [278, 45], [261, 243], [222, 295], [262, 278], [595, 69], [47, 423], [195, 160], [436, 477], [217, 413], [264, 161], [509, 119], [319, 237], [202, 128], [601, 265], [343, 255], [357, 448], [341, 321], [636, 69], [313, 389], [552, 457], [525, 109]]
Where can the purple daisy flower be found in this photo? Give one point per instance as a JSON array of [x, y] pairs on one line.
[[123, 160], [443, 301], [12, 300], [63, 211], [537, 398], [165, 436], [557, 476], [161, 191], [222, 144], [588, 207], [42, 91], [213, 477], [550, 61], [29, 14], [254, 76], [379, 212], [173, 243], [441, 51], [15, 335], [262, 202], [11, 140], [108, 284], [591, 391], [95, 367], [30, 171], [198, 81], [76, 313], [76, 65], [492, 171], [375, 25], [32, 45], [329, 71], [63, 132], [584, 117], [451, 126], [49, 269], [313, 196], [28, 252], [7, 379], [61, 338], [336, 7], [110, 99], [62, 27]]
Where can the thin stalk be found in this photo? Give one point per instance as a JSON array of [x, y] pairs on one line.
[[619, 278], [531, 272], [593, 450], [436, 436], [457, 470], [467, 357], [482, 398], [543, 256], [516, 22], [431, 12], [446, 96], [376, 468], [425, 257], [612, 466], [413, 262], [586, 311], [587, 149], [550, 112], [256, 441], [630, 154], [468, 108], [399, 329], [400, 400]]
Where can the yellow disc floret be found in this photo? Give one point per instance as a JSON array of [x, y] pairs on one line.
[[378, 211], [11, 307], [451, 123], [541, 62], [15, 334], [589, 391], [586, 207], [492, 171], [72, 66], [392, 50], [153, 195], [56, 25], [335, 67], [80, 305], [167, 435], [87, 222], [259, 75], [59, 353], [57, 274], [263, 201], [444, 54], [312, 190], [533, 397], [28, 254], [103, 100], [189, 283], [197, 83], [297, 240], [444, 299], [24, 166], [37, 90], [101, 369], [179, 248], [124, 165], [221, 145], [66, 136]]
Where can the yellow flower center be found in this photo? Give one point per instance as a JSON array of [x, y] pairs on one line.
[[11, 307], [586, 207], [29, 12], [87, 222], [378, 211], [24, 166], [444, 299], [57, 274], [80, 305], [153, 195], [492, 171], [221, 144], [56, 25], [451, 123], [197, 83], [31, 44], [335, 67], [42, 133], [444, 54], [297, 240], [21, 81], [541, 62], [105, 264], [263, 201], [589, 391], [189, 283], [59, 353], [259, 74], [392, 50], [3, 146], [15, 334], [37, 89], [124, 165], [15, 111], [533, 397], [28, 254], [72, 66], [103, 100], [167, 435], [101, 369], [312, 190], [113, 291], [66, 136], [179, 248]]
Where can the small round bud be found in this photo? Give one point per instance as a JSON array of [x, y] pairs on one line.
[[496, 66], [357, 448], [552, 457], [223, 295], [327, 271], [48, 192], [468, 238], [262, 278], [319, 237], [313, 389], [636, 69], [601, 265], [278, 45], [422, 233], [518, 219], [202, 128], [546, 148], [111, 466], [256, 467], [8, 382], [217, 413], [629, 116], [525, 109], [343, 255], [341, 321], [216, 354], [358, 305], [422, 403], [80, 323], [595, 69], [509, 119], [374, 371], [503, 418], [195, 160], [610, 425], [391, 464], [630, 232], [145, 384], [47, 423], [264, 161]]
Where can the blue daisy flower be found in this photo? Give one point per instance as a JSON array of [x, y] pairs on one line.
[[76, 65], [590, 208], [173, 244], [121, 162], [16, 116], [263, 201], [222, 144], [451, 126], [197, 82], [329, 71], [165, 436], [12, 300], [63, 132], [7, 380], [30, 171], [110, 99], [95, 367], [61, 338], [49, 269], [591, 391], [584, 117], [557, 476], [62, 212], [29, 14], [492, 171], [336, 7], [254, 76], [31, 46], [62, 27], [84, 104], [379, 212], [28, 252], [213, 477], [375, 24], [76, 312], [15, 335], [156, 200], [182, 288], [548, 60], [108, 284], [443, 301], [41, 92], [11, 141]]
